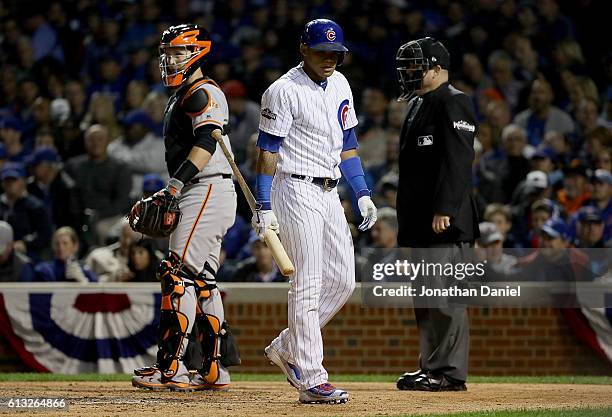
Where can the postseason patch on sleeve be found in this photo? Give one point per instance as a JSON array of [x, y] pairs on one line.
[[268, 114], [463, 125]]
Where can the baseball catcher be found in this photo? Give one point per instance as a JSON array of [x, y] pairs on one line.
[[198, 205]]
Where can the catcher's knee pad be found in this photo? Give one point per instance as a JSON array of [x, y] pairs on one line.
[[173, 324], [204, 283]]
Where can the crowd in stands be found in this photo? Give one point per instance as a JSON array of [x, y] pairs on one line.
[[82, 105]]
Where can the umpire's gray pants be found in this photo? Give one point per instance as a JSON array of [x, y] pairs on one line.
[[444, 334]]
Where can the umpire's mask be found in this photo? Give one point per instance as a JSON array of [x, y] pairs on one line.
[[414, 59]]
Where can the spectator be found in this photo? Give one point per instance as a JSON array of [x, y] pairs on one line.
[[554, 235], [587, 116], [142, 261], [384, 231], [14, 266], [516, 164], [154, 105], [101, 111], [601, 198], [500, 216], [491, 241], [541, 116], [11, 136], [244, 117], [541, 211], [65, 265], [575, 191], [111, 81], [391, 163], [386, 190], [25, 213], [151, 183], [370, 130], [75, 94], [41, 113], [555, 262], [103, 185], [3, 155], [44, 37], [560, 149], [110, 263], [140, 150], [498, 116], [604, 160], [598, 143], [474, 75], [536, 186], [54, 187], [590, 228], [260, 267], [135, 95], [505, 85]]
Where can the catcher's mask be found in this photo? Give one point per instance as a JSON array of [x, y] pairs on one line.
[[414, 59], [181, 51]]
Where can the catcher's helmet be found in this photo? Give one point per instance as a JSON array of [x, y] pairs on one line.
[[324, 35], [414, 59], [181, 51]]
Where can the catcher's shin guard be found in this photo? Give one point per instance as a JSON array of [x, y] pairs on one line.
[[211, 341], [173, 323]]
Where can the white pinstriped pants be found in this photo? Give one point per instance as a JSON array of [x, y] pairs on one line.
[[315, 233]]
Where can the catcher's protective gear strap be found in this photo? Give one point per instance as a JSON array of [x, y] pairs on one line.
[[349, 141], [205, 282], [353, 172], [263, 185], [268, 142], [186, 171], [172, 325], [204, 139]]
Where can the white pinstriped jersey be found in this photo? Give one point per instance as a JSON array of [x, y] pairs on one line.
[[310, 119], [216, 113]]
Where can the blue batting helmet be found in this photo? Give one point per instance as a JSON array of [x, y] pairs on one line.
[[324, 35]]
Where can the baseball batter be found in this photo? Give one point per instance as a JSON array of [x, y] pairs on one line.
[[306, 141], [195, 344]]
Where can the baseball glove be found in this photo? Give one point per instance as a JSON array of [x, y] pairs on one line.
[[156, 216]]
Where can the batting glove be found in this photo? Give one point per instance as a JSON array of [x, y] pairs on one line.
[[368, 212], [262, 221]]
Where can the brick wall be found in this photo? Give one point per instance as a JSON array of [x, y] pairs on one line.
[[504, 341]]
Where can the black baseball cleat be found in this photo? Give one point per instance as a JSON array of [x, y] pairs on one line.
[[430, 383], [406, 381]]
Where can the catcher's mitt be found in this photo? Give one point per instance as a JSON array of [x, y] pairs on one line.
[[156, 216]]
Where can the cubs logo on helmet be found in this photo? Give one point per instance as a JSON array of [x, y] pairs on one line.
[[330, 34]]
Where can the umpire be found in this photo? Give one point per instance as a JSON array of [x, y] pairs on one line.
[[435, 207]]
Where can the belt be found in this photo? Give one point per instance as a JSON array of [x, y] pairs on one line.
[[327, 184], [206, 177]]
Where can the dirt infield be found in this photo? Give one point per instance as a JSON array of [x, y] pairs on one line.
[[267, 399]]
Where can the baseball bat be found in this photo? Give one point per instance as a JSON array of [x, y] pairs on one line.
[[271, 238]]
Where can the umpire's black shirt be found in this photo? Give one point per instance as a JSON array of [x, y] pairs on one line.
[[435, 169]]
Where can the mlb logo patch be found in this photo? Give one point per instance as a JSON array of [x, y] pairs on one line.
[[425, 140]]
